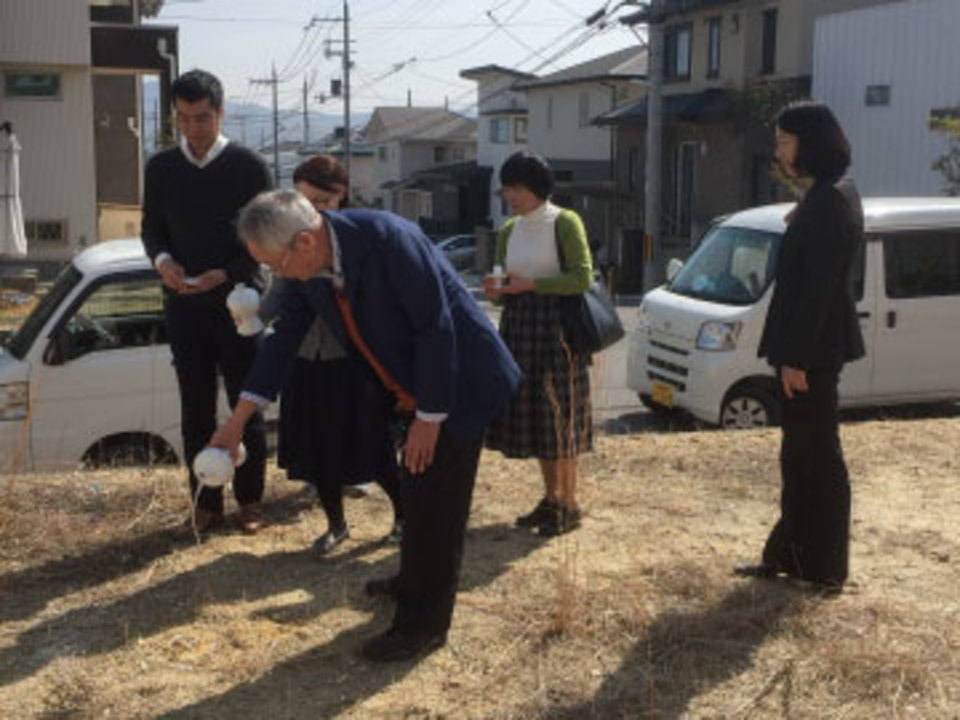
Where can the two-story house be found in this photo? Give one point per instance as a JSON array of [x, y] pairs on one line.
[[562, 107], [411, 146], [70, 86], [502, 125], [728, 66]]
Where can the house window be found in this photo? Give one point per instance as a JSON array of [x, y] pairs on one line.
[[46, 230], [583, 109], [382, 153], [439, 154], [677, 45], [31, 85], [877, 95], [768, 62], [500, 130], [683, 169], [713, 48], [550, 113], [520, 130]]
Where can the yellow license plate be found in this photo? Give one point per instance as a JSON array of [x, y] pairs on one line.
[[661, 393]]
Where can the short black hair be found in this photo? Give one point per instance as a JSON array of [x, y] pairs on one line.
[[197, 85], [823, 151], [529, 170]]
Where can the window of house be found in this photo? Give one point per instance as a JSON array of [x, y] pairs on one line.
[[768, 61], [683, 169], [45, 230], [382, 153], [500, 130], [922, 264], [877, 95], [550, 113], [520, 130], [714, 25], [677, 46], [583, 109], [439, 154], [31, 85]]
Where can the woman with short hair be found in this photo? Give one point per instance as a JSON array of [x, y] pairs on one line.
[[544, 251]]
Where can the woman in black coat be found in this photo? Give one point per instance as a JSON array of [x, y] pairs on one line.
[[811, 331]]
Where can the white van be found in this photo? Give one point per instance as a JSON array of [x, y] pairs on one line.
[[88, 377], [696, 345]]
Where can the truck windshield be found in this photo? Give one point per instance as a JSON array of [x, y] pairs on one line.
[[733, 266], [19, 344]]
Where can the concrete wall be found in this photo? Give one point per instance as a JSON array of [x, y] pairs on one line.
[[44, 32], [57, 163], [911, 47]]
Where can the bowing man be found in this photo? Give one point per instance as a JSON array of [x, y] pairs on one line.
[[379, 283]]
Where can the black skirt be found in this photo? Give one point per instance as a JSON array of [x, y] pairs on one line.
[[334, 424], [550, 415]]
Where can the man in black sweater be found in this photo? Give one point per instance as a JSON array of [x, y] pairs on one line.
[[192, 194]]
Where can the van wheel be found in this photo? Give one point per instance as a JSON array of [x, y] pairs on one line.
[[129, 450], [749, 406]]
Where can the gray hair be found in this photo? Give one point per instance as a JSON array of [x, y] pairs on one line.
[[272, 218]]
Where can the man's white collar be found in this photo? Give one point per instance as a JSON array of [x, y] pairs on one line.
[[218, 145]]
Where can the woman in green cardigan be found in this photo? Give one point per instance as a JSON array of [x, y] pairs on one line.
[[544, 251]]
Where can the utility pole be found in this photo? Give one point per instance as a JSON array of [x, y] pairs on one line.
[[653, 16], [306, 114], [272, 80], [653, 238], [345, 54]]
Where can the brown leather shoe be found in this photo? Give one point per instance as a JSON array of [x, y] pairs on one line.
[[250, 518]]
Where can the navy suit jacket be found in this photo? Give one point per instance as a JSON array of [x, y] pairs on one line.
[[413, 312]]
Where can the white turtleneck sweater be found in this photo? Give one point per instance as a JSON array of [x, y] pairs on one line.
[[532, 247]]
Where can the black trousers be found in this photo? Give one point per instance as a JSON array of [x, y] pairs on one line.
[[811, 539], [204, 342], [331, 498], [436, 506]]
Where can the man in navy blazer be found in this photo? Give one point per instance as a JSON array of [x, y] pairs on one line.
[[432, 341]]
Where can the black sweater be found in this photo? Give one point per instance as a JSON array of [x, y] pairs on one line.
[[191, 212]]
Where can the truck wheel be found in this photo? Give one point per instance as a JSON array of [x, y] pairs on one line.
[[749, 406], [129, 450]]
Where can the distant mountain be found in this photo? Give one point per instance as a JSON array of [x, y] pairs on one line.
[[252, 124]]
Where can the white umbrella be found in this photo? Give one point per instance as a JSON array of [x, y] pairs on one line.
[[13, 238]]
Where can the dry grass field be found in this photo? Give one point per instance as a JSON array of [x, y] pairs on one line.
[[105, 614]]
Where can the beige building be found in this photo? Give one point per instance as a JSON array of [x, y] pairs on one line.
[[728, 67]]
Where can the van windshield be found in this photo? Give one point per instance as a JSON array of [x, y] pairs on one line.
[[733, 266], [19, 344]]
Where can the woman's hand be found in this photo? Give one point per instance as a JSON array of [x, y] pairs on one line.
[[793, 380], [515, 285], [493, 287], [420, 446]]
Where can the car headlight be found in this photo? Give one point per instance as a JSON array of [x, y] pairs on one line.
[[716, 336], [13, 401]]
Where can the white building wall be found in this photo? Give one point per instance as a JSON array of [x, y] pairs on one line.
[[492, 155], [45, 32], [566, 139], [57, 165], [912, 47]]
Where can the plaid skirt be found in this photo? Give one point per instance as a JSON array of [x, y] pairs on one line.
[[549, 416]]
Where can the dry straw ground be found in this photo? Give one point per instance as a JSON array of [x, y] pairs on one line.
[[636, 615]]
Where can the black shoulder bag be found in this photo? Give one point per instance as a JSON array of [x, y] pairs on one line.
[[590, 322]]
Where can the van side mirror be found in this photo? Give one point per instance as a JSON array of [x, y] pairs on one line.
[[54, 353], [673, 267]]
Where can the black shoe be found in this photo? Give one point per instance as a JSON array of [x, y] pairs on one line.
[[383, 587], [330, 539], [764, 572], [560, 521], [396, 645], [544, 508], [395, 536], [826, 590]]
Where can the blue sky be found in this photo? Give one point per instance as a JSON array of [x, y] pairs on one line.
[[400, 45]]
